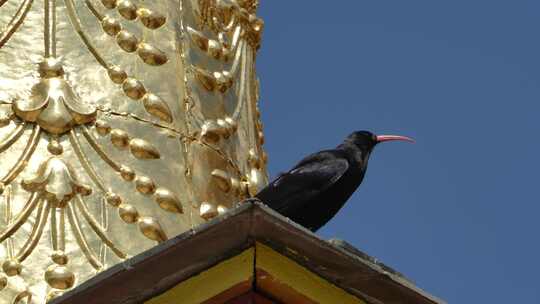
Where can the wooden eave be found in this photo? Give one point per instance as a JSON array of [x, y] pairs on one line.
[[184, 257]]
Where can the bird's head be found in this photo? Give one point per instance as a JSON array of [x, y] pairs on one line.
[[365, 141]]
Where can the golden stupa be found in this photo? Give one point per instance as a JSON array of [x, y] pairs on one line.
[[123, 123]]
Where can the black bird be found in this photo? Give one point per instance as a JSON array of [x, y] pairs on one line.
[[316, 188]]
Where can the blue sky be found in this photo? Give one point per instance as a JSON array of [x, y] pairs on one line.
[[457, 212]]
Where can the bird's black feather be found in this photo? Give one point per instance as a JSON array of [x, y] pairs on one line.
[[307, 180]]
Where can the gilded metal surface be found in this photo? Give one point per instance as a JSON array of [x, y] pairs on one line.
[[122, 123]]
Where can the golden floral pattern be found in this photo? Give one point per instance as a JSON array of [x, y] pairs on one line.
[[122, 123]]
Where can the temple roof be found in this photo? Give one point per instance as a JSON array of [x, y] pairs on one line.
[[165, 266]]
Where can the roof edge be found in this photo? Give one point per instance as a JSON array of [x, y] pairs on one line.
[[154, 271]]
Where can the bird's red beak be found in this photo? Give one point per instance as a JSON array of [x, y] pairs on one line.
[[381, 138]]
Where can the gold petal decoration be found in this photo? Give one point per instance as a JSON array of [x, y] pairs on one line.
[[59, 277], [222, 179], [198, 38], [151, 228], [254, 159], [151, 19], [220, 81], [111, 26], [239, 188], [127, 41], [145, 185], [12, 267], [210, 132], [127, 173], [256, 181], [116, 74], [127, 9], [57, 181], [224, 80], [213, 130], [212, 47], [151, 55], [133, 88], [110, 4], [142, 149], [53, 104], [167, 200], [102, 127], [208, 211], [119, 138], [207, 80], [128, 213], [154, 105]]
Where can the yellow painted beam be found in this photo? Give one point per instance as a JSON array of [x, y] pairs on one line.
[[289, 282], [226, 280], [276, 276]]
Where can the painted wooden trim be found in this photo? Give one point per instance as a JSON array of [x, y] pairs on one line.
[[218, 284], [276, 276], [289, 282]]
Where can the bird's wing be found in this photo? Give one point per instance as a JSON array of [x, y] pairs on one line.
[[307, 179]]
